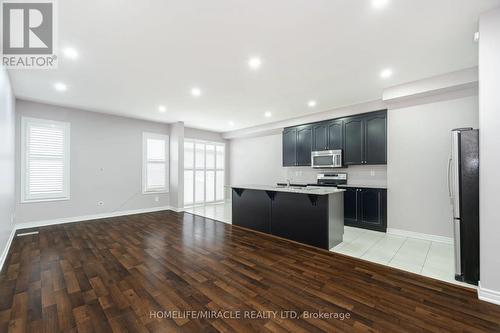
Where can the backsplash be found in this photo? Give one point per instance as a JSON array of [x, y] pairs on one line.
[[356, 174]]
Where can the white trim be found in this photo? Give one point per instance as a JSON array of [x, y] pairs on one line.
[[488, 295], [66, 127], [412, 234], [89, 217], [6, 249]]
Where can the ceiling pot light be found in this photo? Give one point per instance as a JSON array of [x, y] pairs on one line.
[[386, 73], [268, 114], [311, 104], [378, 4], [196, 92], [162, 108], [230, 123], [70, 53], [254, 63], [59, 86]]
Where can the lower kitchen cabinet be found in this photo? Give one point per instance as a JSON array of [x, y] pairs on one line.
[[252, 209], [366, 208]]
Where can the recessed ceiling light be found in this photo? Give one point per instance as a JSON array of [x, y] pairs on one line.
[[162, 108], [230, 123], [377, 4], [386, 73], [59, 86], [196, 92], [254, 63], [70, 53], [311, 104], [268, 114]]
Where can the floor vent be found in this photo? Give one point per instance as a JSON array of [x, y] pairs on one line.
[[28, 233]]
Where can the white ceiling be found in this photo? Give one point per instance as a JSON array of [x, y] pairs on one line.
[[135, 55]]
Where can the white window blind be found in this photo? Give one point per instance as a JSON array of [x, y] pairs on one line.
[[155, 164], [45, 160], [203, 172]]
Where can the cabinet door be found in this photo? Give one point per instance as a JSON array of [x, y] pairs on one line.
[[353, 141], [304, 145], [290, 147], [335, 135], [371, 206], [320, 136], [376, 139], [351, 205]]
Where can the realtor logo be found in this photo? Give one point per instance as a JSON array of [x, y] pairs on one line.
[[28, 34]]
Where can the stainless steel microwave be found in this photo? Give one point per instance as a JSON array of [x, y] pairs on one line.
[[326, 159]]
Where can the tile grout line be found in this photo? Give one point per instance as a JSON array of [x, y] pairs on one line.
[[378, 241], [426, 256], [399, 248]]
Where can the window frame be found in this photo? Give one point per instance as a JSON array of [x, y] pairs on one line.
[[215, 168], [26, 197], [144, 185]]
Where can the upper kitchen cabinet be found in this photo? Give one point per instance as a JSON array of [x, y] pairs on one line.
[[320, 136], [376, 138], [335, 135], [297, 145], [304, 145], [290, 147], [365, 139], [353, 141]]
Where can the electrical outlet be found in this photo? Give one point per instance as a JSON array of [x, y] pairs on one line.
[[157, 199], [372, 173], [100, 203]]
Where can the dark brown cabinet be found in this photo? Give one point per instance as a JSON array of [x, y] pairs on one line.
[[366, 208], [353, 141], [304, 145], [336, 135], [290, 147], [320, 136], [363, 139]]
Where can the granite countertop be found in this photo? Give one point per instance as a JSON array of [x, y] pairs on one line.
[[304, 190], [364, 186]]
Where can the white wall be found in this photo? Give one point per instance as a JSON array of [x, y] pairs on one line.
[[106, 164], [419, 139], [7, 162], [489, 140]]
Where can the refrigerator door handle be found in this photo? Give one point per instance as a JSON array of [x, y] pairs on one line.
[[448, 176], [457, 247]]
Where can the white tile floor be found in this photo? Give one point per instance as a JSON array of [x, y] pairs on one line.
[[219, 211], [433, 259]]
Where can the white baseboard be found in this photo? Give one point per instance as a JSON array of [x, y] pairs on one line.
[[35, 224], [6, 249], [488, 295], [412, 234]]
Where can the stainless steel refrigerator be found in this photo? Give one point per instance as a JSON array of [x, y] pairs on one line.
[[463, 186]]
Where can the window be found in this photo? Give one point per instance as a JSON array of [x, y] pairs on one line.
[[44, 160], [155, 163], [203, 172]]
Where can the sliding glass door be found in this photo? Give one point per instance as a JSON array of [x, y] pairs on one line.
[[203, 172]]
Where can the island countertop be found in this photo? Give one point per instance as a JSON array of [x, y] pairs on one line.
[[306, 190]]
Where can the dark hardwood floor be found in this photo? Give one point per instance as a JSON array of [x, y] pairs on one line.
[[113, 275]]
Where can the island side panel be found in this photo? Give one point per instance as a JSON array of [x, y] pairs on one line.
[[301, 217], [336, 219], [251, 209]]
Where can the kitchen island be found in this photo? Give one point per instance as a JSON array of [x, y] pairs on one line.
[[310, 215]]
